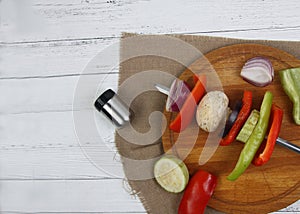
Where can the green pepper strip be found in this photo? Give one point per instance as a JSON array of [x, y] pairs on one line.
[[255, 139], [290, 81]]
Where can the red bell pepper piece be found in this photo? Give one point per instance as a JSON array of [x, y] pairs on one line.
[[267, 148], [240, 120], [187, 112], [197, 193]]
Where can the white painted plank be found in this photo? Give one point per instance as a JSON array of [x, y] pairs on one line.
[[53, 94], [58, 58], [100, 18], [71, 57], [48, 57], [46, 146], [67, 196], [73, 196], [56, 162], [51, 58]]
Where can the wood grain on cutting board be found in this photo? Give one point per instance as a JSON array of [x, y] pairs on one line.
[[260, 189]]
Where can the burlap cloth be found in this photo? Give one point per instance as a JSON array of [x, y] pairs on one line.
[[153, 197]]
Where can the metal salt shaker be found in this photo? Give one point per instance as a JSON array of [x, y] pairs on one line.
[[111, 105]]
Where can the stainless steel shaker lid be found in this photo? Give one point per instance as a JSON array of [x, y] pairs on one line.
[[103, 99]]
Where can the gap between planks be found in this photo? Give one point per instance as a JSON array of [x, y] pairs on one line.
[[141, 33]]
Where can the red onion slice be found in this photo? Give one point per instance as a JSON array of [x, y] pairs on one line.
[[178, 93], [258, 71]]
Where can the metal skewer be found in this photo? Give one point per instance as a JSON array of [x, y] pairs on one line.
[[165, 90], [288, 145]]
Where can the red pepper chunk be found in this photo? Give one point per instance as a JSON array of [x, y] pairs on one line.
[[240, 120], [275, 121], [197, 193], [187, 112]]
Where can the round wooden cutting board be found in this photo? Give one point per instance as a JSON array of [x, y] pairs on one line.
[[263, 189]]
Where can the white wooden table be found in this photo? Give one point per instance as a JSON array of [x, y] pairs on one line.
[[45, 45]]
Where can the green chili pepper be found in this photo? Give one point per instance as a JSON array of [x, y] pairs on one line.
[[255, 139], [290, 81]]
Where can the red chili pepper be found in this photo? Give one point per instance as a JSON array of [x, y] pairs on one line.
[[241, 119], [187, 113], [267, 148], [197, 193]]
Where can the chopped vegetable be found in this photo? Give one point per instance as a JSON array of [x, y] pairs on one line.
[[249, 126], [179, 91], [242, 117], [187, 112], [197, 193], [171, 173], [255, 139], [232, 117], [290, 81], [211, 110], [258, 71], [275, 121]]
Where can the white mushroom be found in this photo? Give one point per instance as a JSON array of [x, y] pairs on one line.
[[211, 110]]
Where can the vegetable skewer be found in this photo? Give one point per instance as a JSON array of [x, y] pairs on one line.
[[165, 90]]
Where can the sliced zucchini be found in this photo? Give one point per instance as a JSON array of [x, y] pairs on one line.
[[171, 173], [248, 127]]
